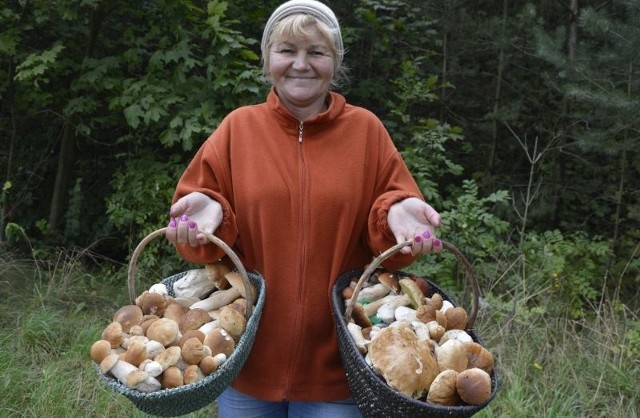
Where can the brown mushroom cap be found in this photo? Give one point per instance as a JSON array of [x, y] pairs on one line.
[[474, 386], [443, 389], [479, 357], [136, 353], [191, 333], [175, 311], [235, 280], [99, 350], [219, 341], [113, 333], [192, 374], [232, 321], [456, 318], [193, 351], [216, 272], [210, 364], [426, 313], [389, 280], [164, 330], [194, 319], [172, 378], [360, 317], [406, 365], [128, 316], [151, 303]]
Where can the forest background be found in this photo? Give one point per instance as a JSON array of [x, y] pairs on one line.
[[519, 120]]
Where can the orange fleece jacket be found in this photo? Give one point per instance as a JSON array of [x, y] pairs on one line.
[[303, 203]]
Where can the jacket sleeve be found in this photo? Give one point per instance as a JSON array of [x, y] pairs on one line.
[[394, 183], [208, 173]]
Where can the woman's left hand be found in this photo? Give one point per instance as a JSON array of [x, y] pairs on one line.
[[413, 219]]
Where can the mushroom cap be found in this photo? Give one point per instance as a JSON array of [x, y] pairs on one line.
[[136, 353], [99, 350], [436, 301], [235, 280], [474, 386], [193, 351], [175, 311], [194, 319], [216, 273], [169, 357], [360, 317], [192, 374], [172, 378], [479, 357], [456, 334], [406, 365], [210, 364], [164, 330], [191, 333], [113, 333], [389, 280], [443, 389], [128, 316], [452, 355], [151, 303], [219, 341], [456, 318], [426, 313], [108, 362], [232, 321]]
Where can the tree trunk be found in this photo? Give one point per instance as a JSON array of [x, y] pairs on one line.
[[498, 91], [67, 154]]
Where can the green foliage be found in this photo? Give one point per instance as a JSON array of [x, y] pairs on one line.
[[565, 269]]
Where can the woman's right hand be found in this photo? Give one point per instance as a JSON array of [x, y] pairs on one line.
[[190, 215]]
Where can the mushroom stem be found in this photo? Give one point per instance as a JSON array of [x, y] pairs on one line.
[[218, 299], [356, 333]]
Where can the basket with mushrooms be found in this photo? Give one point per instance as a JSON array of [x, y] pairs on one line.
[[178, 344], [407, 347]]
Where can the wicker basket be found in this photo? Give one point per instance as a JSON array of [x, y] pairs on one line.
[[189, 398], [374, 397]]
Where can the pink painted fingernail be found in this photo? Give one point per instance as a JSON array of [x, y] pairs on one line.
[[426, 234], [184, 218], [192, 225], [436, 243], [173, 223], [417, 238]]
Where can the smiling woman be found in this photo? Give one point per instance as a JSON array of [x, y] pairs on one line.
[[307, 158]]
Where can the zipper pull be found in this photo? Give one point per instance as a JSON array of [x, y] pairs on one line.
[[300, 129]]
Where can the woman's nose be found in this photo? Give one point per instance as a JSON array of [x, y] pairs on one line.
[[301, 61]]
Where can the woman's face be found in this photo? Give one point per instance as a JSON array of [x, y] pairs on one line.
[[301, 70]]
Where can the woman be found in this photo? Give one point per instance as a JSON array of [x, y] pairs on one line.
[[303, 187]]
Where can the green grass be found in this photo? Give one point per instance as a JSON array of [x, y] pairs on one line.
[[548, 366]]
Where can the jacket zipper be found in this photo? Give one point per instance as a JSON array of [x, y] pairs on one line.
[[303, 250]]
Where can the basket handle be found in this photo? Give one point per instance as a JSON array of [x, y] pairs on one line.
[[251, 297], [447, 246]]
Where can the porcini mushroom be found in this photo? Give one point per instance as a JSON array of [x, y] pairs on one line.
[[456, 317], [194, 319], [113, 333], [474, 386], [452, 355], [443, 389], [405, 364], [210, 364], [195, 283], [479, 357], [232, 321], [216, 273], [99, 350], [219, 341], [358, 338], [165, 331], [193, 351], [411, 289], [128, 316], [373, 292], [172, 378]]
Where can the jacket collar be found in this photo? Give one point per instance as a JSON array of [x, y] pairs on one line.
[[336, 104]]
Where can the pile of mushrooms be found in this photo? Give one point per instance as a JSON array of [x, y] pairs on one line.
[[164, 342], [418, 344]]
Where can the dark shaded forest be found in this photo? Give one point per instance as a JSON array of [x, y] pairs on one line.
[[518, 119]]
